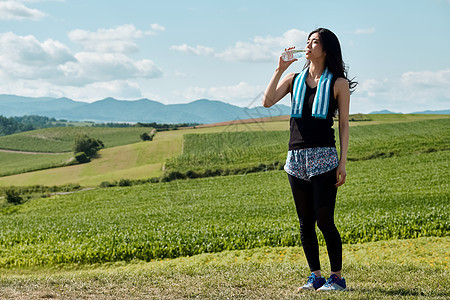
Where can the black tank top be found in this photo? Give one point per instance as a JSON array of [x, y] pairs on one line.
[[308, 131]]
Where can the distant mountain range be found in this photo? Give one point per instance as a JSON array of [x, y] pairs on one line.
[[144, 110], [434, 112]]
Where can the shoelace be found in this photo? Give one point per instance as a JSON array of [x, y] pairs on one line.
[[310, 279], [331, 281]]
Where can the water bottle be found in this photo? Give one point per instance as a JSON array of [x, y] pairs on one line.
[[291, 53]]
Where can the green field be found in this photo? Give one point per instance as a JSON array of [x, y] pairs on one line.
[[240, 148], [61, 139], [237, 150], [230, 150], [234, 236], [133, 161], [383, 199], [399, 269], [53, 149], [13, 163]]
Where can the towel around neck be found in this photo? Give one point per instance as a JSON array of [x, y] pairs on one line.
[[321, 99]]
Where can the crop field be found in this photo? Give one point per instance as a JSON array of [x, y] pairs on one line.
[[13, 163], [231, 150], [384, 198], [237, 235], [226, 153], [133, 161], [399, 139], [60, 139]]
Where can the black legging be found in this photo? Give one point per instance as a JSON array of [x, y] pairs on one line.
[[315, 202]]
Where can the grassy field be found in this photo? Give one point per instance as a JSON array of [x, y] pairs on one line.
[[13, 163], [383, 199], [400, 269], [235, 236], [169, 144], [56, 147], [234, 150], [134, 161], [60, 139]]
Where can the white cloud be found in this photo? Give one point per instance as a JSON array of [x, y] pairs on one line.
[[241, 94], [198, 50], [424, 79], [92, 67], [259, 49], [412, 91], [14, 10], [27, 58], [372, 86], [48, 68], [116, 40], [262, 49], [365, 30], [242, 90], [24, 57], [119, 89], [156, 28]]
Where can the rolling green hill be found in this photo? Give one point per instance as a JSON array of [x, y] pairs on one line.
[[229, 151], [60, 139], [133, 161], [400, 194], [383, 199], [16, 163], [234, 236], [224, 149]]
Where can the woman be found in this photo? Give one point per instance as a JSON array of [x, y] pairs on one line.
[[314, 169]]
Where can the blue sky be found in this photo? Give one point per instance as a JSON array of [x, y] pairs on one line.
[[181, 51]]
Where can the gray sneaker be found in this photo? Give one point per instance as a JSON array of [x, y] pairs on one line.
[[313, 283]]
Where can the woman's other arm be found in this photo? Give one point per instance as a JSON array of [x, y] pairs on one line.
[[342, 94]]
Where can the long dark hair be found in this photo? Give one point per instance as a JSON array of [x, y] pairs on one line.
[[333, 59]]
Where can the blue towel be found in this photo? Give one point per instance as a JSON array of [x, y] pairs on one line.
[[321, 100]]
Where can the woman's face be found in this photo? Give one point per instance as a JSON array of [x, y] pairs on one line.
[[314, 48]]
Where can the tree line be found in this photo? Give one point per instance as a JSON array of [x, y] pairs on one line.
[[13, 125]]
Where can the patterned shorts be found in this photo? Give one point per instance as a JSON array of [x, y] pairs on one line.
[[309, 162]]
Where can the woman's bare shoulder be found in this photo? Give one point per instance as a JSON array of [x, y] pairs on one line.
[[341, 88], [341, 81]]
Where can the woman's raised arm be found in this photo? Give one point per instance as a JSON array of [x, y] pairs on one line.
[[277, 89]]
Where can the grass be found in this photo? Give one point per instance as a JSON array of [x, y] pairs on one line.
[[226, 150], [237, 236], [399, 139], [13, 163], [87, 174], [230, 150], [61, 139], [383, 199], [400, 269], [134, 161], [237, 150]]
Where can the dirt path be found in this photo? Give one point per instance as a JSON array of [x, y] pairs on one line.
[[28, 152]]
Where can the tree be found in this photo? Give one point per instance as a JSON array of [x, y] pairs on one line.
[[87, 145], [146, 137], [13, 196], [81, 157]]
